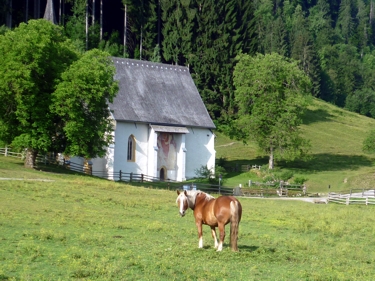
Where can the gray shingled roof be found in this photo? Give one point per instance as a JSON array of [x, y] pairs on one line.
[[49, 13], [158, 94]]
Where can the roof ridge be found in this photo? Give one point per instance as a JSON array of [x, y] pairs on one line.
[[135, 62]]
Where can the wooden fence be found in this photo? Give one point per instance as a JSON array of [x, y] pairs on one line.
[[260, 190], [246, 168], [353, 196], [39, 159]]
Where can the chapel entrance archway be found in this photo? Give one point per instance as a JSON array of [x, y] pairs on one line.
[[163, 173]]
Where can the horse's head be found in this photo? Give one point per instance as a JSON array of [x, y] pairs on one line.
[[182, 202]]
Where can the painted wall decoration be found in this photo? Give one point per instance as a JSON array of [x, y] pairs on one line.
[[167, 153]]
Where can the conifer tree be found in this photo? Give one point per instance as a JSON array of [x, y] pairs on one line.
[[179, 18], [302, 48], [320, 24], [345, 24], [362, 27], [141, 28]]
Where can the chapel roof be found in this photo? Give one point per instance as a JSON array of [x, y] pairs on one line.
[[157, 93]]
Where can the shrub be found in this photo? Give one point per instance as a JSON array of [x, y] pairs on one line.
[[211, 176], [221, 162], [285, 176], [299, 180]]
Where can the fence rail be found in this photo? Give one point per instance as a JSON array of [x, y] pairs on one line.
[[246, 168], [353, 196], [263, 189], [6, 152]]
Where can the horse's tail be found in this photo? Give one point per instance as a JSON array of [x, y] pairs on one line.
[[236, 212]]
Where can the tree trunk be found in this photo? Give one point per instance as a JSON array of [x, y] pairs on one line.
[[30, 158], [101, 20], [27, 11], [125, 28], [93, 12], [9, 13], [87, 24], [271, 160]]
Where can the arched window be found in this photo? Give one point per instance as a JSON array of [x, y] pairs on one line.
[[131, 149]]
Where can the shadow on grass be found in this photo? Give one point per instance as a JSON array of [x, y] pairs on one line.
[[58, 170], [247, 248], [313, 116], [317, 163], [235, 165], [329, 162]]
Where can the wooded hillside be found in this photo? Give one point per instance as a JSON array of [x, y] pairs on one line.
[[333, 40]]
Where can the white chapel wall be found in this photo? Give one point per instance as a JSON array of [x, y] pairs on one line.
[[200, 150], [122, 133]]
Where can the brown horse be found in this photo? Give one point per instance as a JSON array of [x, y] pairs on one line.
[[213, 212]]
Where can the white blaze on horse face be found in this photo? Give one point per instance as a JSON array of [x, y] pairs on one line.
[[182, 204]]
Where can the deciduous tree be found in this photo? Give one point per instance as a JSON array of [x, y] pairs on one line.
[[272, 93], [53, 97]]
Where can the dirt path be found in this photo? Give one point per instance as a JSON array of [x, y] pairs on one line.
[[228, 144], [314, 200], [20, 179]]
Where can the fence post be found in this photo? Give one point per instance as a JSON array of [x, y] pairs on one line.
[[250, 183], [6, 151], [131, 176], [120, 175], [142, 177], [347, 200], [281, 187]]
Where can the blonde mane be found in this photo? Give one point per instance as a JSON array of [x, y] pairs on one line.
[[192, 196]]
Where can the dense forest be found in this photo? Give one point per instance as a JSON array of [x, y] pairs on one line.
[[332, 40]]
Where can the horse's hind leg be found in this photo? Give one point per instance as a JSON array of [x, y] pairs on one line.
[[200, 234], [213, 233], [222, 236]]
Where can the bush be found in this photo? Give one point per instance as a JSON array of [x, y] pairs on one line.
[[203, 172], [208, 174], [285, 176], [299, 180], [221, 162]]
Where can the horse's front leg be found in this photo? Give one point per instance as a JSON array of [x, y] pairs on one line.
[[213, 233], [200, 234], [222, 236]]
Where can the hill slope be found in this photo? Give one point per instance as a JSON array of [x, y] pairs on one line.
[[337, 161]]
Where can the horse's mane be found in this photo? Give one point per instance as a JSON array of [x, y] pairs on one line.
[[192, 195]]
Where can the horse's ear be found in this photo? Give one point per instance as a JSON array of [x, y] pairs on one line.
[[185, 192], [178, 192]]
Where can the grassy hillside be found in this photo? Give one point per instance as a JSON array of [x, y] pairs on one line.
[[58, 226], [336, 137]]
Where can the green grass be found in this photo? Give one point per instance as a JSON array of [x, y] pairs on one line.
[[337, 159], [76, 227]]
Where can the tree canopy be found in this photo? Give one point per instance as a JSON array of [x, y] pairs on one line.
[[272, 93], [333, 40], [54, 99]]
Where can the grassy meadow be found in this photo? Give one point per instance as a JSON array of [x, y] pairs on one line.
[[337, 160], [57, 226]]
